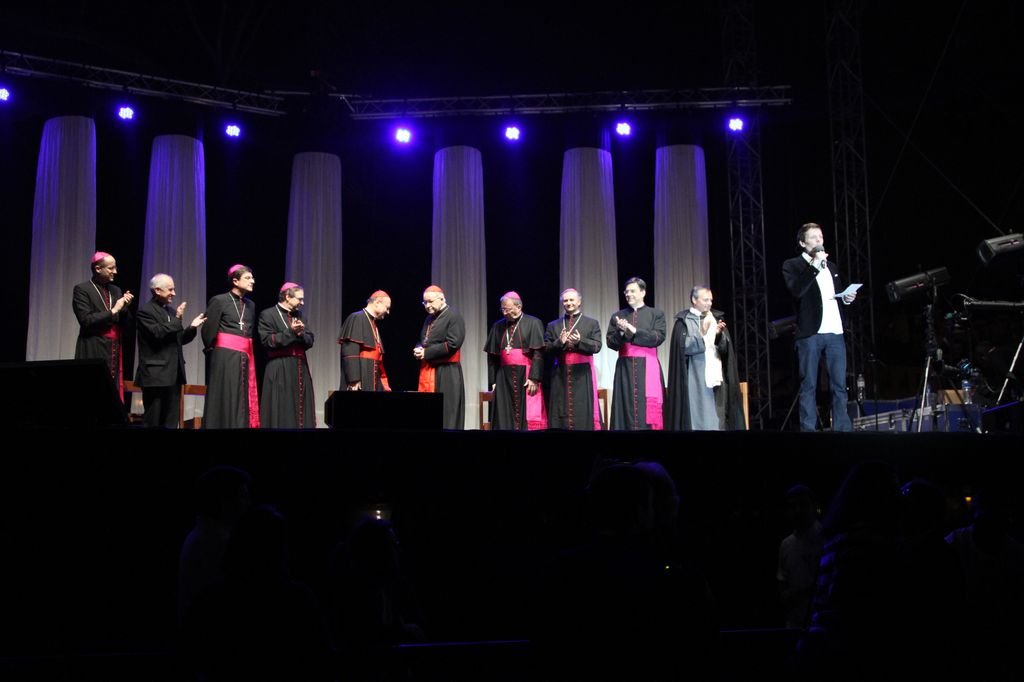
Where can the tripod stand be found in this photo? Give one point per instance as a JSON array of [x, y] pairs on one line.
[[1009, 372], [932, 349]]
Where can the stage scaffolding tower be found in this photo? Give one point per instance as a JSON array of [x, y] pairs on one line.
[[849, 174], [746, 218]]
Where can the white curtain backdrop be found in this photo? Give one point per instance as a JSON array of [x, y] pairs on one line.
[[680, 231], [63, 234], [458, 258], [313, 259], [587, 243], [175, 242]]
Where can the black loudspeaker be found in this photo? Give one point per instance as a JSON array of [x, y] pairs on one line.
[[59, 394], [385, 411]]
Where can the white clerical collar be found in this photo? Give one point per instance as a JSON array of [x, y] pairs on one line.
[[637, 307]]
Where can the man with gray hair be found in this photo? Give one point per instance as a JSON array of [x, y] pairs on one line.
[[515, 368], [703, 385], [161, 369]]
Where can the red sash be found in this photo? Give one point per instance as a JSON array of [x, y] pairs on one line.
[[116, 358], [581, 359], [378, 360], [428, 368], [652, 383], [244, 345], [536, 413]]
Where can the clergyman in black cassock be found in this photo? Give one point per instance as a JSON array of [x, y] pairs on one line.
[[439, 352], [571, 342], [102, 313], [287, 400], [635, 332], [362, 353], [515, 368], [232, 401]]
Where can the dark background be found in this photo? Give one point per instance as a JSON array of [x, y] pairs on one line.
[[942, 154]]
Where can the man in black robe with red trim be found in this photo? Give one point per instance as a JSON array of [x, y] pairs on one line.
[[232, 400], [439, 351], [362, 353], [515, 368], [571, 342], [287, 401], [636, 331], [102, 312]]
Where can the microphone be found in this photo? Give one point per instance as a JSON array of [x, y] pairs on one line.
[[817, 249]]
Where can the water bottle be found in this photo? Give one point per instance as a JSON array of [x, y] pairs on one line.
[[967, 389], [860, 388]]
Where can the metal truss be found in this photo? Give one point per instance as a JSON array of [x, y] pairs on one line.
[[746, 220], [749, 280], [365, 108], [849, 173], [141, 84]]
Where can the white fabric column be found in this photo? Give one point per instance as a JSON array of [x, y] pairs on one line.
[[458, 258], [175, 242], [63, 234], [680, 231], [587, 243], [313, 259]]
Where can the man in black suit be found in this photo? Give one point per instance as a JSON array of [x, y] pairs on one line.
[[161, 363], [814, 283], [102, 311]]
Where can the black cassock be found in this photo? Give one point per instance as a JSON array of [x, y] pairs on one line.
[[287, 400], [728, 402], [442, 337], [228, 390], [359, 338], [512, 408], [91, 303], [634, 407], [571, 386]]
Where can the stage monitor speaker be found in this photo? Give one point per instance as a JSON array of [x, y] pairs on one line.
[[385, 411], [59, 394]]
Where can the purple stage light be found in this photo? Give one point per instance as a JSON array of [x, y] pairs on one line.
[[736, 124], [623, 129], [5, 94], [126, 113], [403, 135], [512, 133], [233, 131]]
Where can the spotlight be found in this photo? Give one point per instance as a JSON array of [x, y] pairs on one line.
[[233, 131], [5, 94], [403, 135], [990, 248], [623, 129], [512, 133], [736, 124], [915, 284], [126, 113]]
